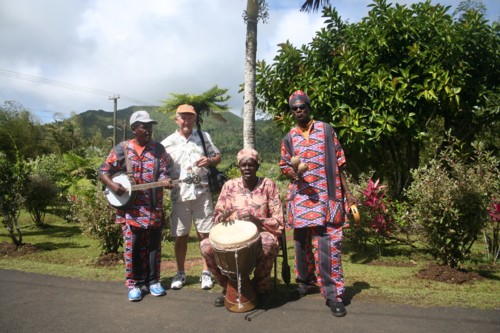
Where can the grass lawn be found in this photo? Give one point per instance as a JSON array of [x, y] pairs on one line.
[[64, 251]]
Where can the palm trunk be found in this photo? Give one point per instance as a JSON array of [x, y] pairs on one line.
[[250, 65]]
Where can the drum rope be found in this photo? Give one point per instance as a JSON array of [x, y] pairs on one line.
[[238, 276]]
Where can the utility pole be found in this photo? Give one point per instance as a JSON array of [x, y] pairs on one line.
[[115, 98], [124, 128]]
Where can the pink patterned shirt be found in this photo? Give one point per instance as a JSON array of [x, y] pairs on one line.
[[263, 202]]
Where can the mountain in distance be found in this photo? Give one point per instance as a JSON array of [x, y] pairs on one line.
[[227, 135]]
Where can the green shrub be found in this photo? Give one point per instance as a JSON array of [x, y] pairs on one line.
[[449, 199], [91, 210], [40, 193], [52, 167], [13, 182]]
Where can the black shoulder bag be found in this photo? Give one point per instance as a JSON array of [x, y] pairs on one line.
[[216, 178]]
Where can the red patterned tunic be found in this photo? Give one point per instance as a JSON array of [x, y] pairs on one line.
[[141, 213], [308, 202]]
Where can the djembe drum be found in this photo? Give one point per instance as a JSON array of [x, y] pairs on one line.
[[236, 245]]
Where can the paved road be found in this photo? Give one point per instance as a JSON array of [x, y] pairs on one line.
[[41, 303]]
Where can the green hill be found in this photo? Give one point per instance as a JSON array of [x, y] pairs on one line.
[[227, 135]]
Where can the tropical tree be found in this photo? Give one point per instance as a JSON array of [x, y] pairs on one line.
[[393, 84], [65, 135], [466, 5], [210, 103], [20, 132], [313, 5], [252, 13], [13, 182], [257, 9]]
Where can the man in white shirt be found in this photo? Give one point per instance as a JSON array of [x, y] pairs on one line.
[[190, 202]]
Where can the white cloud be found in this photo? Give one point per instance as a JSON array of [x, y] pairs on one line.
[[142, 49]]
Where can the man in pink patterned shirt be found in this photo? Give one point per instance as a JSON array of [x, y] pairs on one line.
[[254, 199]]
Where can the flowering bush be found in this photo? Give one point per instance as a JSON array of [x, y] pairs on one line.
[[377, 222], [374, 195], [491, 232]]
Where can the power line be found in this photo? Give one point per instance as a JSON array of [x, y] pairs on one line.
[[37, 79]]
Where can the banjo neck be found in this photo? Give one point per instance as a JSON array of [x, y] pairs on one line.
[[145, 186]]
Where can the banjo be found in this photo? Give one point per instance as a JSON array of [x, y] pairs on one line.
[[122, 201]]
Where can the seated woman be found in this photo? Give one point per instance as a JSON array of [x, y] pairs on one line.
[[254, 199]]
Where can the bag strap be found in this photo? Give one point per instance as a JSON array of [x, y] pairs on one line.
[[156, 171], [202, 142], [156, 174], [287, 141], [121, 154]]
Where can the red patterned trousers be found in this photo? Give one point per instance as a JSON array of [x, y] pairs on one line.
[[318, 259], [142, 254]]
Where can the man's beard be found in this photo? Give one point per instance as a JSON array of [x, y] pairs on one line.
[[186, 130]]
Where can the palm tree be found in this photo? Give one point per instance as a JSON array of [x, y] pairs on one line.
[[313, 5], [257, 9], [210, 103], [250, 100]]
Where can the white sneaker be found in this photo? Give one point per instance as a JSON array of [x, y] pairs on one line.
[[178, 281], [206, 281]]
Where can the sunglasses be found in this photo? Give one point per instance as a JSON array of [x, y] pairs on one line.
[[298, 107]]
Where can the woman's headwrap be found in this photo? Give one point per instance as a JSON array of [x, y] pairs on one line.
[[298, 95], [247, 152]]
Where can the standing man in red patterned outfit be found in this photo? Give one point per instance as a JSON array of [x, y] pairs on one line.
[[142, 220], [317, 202]]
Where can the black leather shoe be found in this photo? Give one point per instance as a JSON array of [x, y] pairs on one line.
[[337, 308], [219, 301]]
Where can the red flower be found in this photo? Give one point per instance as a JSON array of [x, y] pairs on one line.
[[494, 210], [374, 195]]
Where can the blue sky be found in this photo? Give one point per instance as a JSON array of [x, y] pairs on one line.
[[60, 57]]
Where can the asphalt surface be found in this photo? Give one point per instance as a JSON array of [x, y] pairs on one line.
[[42, 303]]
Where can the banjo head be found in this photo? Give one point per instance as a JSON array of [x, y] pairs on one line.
[[123, 200]]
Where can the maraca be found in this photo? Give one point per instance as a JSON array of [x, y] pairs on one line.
[[303, 167], [295, 161]]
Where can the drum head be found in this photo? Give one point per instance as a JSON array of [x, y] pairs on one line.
[[233, 233]]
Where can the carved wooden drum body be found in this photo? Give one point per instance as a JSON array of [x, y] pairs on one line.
[[236, 245]]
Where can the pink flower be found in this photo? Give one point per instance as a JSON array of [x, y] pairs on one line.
[[494, 210]]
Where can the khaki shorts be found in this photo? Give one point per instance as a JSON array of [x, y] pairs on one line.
[[183, 213]]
